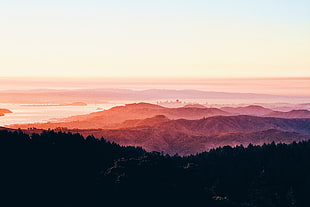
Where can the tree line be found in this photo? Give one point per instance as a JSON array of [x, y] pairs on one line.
[[65, 169]]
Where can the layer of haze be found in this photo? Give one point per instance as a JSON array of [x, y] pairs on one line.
[[163, 38], [274, 86]]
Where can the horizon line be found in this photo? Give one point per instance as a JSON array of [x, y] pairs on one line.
[[158, 77]]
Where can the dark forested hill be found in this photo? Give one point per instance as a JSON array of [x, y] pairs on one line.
[[64, 169], [176, 141]]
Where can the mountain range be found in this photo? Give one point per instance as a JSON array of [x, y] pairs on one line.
[[186, 130], [253, 110], [113, 117]]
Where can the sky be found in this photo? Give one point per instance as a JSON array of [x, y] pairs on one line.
[[159, 38]]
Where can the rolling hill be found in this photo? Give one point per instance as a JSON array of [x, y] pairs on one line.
[[290, 114], [184, 130], [115, 116], [175, 141], [253, 110], [191, 136]]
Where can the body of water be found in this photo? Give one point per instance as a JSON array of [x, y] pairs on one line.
[[30, 114]]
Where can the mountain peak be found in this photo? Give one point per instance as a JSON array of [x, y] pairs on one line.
[[255, 107], [143, 105], [194, 106]]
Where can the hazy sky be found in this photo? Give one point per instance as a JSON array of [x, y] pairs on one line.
[[163, 38]]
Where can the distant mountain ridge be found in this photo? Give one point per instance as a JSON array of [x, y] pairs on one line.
[[184, 130], [153, 121], [200, 121], [242, 123], [254, 110], [291, 114], [116, 115], [103, 94], [194, 106]]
